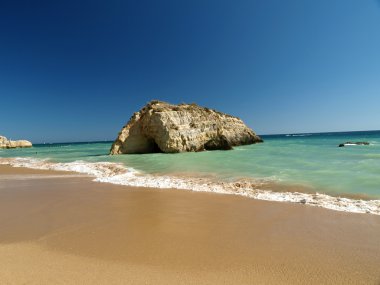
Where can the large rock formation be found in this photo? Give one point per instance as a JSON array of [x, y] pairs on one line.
[[162, 127], [5, 143]]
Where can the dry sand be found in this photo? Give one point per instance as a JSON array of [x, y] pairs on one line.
[[56, 228]]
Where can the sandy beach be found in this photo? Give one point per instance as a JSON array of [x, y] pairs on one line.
[[58, 228]]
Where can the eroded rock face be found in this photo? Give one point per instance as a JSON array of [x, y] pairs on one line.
[[5, 143], [162, 127]]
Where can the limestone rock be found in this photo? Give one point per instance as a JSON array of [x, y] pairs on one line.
[[162, 127], [5, 143]]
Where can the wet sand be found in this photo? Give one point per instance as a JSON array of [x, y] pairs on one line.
[[56, 228]]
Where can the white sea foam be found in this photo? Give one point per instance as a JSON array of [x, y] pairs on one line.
[[117, 173], [299, 135]]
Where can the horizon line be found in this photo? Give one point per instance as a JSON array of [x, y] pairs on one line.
[[274, 134]]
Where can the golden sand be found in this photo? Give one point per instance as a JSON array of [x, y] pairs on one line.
[[70, 230]]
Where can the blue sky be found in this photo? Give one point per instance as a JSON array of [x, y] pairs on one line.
[[77, 70]]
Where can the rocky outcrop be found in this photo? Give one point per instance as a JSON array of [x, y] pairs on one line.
[[353, 143], [162, 127], [5, 143]]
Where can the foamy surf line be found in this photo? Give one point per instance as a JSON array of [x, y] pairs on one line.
[[117, 173]]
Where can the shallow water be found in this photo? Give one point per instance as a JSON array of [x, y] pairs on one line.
[[310, 161]]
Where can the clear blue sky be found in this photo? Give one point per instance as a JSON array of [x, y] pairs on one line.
[[77, 70]]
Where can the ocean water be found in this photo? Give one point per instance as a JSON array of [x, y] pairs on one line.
[[302, 163]]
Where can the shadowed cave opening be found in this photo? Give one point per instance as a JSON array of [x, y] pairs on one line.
[[140, 144], [218, 143], [149, 145], [153, 146]]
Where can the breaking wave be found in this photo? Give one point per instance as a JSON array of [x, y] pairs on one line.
[[118, 173]]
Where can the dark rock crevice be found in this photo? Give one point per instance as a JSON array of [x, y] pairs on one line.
[[218, 143]]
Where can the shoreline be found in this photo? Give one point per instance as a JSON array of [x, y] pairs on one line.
[[73, 230], [259, 189]]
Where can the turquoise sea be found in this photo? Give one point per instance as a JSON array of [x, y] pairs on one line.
[[312, 160], [309, 161]]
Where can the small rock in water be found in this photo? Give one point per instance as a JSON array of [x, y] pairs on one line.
[[6, 143], [353, 143], [303, 201]]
